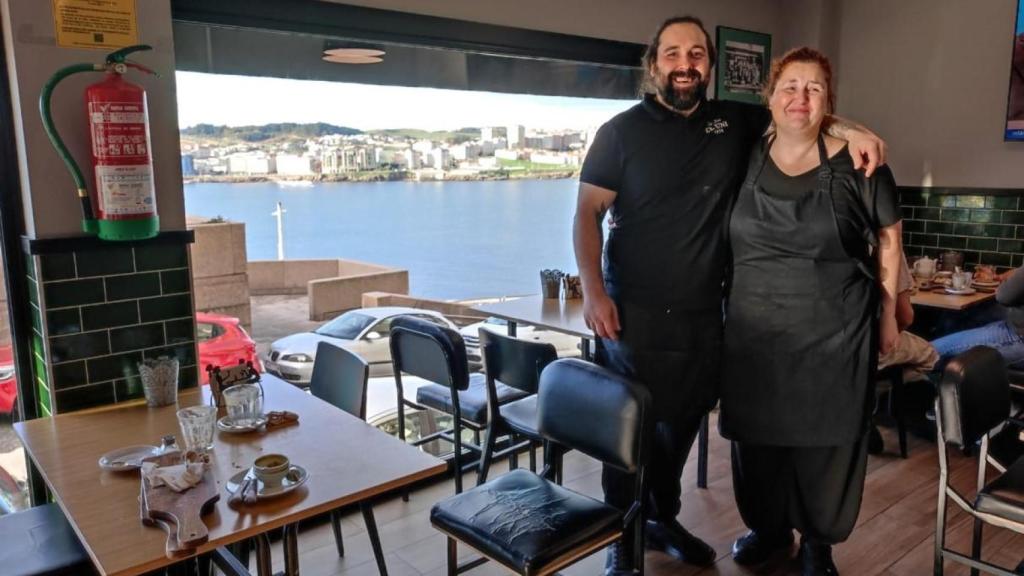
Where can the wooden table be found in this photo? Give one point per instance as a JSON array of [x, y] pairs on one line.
[[949, 301], [348, 461], [553, 313]]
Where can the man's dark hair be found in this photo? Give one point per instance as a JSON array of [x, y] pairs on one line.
[[651, 55]]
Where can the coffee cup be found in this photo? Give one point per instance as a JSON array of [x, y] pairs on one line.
[[271, 469], [961, 280]]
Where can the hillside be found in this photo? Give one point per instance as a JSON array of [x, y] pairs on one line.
[[265, 132]]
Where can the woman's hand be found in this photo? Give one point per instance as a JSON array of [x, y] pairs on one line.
[[889, 334]]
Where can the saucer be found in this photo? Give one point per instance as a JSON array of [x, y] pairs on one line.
[[295, 477], [226, 424], [964, 292], [127, 458], [984, 284]]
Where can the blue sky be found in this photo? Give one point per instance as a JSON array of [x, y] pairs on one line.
[[243, 100]]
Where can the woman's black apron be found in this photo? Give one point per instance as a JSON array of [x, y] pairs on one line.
[[800, 332]]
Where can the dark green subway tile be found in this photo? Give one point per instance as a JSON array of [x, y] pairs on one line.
[[942, 201], [913, 251], [133, 286], [913, 226], [913, 198], [1013, 217], [939, 227], [63, 321], [955, 215], [1002, 202], [907, 239], [43, 397], [995, 259], [30, 266], [1018, 260], [984, 216], [954, 242], [84, 397], [180, 331], [57, 266], [1011, 245], [1020, 231], [136, 337], [985, 230], [185, 353], [971, 257], [970, 201], [161, 257], [166, 307], [175, 281], [39, 370], [73, 293], [188, 377], [69, 374], [983, 244], [926, 213], [38, 348], [128, 389], [78, 346], [930, 252], [109, 260], [110, 315], [924, 239], [114, 367], [907, 211], [37, 319], [33, 291]]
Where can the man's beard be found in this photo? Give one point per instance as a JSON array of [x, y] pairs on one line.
[[683, 100]]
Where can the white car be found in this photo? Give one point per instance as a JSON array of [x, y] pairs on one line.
[[566, 345], [364, 331]]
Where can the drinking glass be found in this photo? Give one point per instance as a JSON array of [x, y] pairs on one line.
[[961, 280], [244, 403], [197, 423]]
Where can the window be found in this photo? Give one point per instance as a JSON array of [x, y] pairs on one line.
[[206, 331]]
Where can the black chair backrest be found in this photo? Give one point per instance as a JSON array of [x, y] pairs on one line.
[[424, 349], [514, 362], [974, 396], [598, 412], [340, 378]]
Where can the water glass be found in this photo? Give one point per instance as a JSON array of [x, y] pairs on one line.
[[244, 403], [197, 423], [961, 280]]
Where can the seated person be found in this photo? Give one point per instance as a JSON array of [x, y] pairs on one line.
[[1006, 336]]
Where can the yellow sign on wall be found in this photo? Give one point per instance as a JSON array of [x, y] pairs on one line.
[[95, 23]]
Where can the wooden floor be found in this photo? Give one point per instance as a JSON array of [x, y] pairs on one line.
[[894, 534]]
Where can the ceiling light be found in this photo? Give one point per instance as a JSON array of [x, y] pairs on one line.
[[354, 52], [352, 59]]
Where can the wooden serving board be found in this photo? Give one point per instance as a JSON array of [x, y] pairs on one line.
[[172, 549], [181, 512]]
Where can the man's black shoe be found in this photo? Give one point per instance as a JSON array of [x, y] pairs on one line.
[[875, 443], [671, 538], [618, 561], [817, 559], [752, 548]]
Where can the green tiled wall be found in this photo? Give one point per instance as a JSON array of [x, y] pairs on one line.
[[97, 313], [986, 225]]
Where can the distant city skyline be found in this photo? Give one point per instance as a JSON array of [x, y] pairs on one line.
[[247, 100]]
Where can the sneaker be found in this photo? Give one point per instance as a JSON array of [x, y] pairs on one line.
[[618, 561], [752, 548], [817, 559], [671, 538]]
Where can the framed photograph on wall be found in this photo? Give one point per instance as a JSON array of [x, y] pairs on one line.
[[1015, 104], [744, 58]]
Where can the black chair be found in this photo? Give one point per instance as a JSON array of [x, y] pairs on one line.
[[438, 355], [890, 380], [530, 524], [340, 378], [518, 364], [973, 402], [40, 542]]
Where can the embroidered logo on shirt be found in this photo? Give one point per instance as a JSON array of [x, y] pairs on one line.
[[716, 126]]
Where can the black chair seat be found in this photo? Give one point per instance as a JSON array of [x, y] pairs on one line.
[[1004, 496], [524, 521], [472, 400], [521, 416], [39, 541]]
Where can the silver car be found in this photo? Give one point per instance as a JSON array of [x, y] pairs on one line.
[[364, 331]]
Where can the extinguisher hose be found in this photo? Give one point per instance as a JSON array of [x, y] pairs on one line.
[[55, 139]]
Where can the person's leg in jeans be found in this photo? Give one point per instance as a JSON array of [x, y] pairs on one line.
[[999, 335]]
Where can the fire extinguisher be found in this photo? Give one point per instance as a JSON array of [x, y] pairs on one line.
[[123, 203]]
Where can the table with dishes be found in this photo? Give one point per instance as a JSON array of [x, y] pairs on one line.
[[255, 478], [955, 289]]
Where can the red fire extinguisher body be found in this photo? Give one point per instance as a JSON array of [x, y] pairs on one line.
[[124, 196]]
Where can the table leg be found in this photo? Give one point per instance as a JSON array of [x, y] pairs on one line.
[[512, 328], [228, 563], [291, 549], [264, 566]]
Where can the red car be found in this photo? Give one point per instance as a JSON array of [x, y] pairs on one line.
[[222, 342]]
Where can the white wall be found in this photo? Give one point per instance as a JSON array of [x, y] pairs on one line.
[[52, 208], [932, 77]]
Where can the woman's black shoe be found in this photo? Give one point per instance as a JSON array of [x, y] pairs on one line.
[[752, 548], [817, 559]]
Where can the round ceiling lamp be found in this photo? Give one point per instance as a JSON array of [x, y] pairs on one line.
[[352, 59], [354, 52]]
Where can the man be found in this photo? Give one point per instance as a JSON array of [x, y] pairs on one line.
[[668, 169]]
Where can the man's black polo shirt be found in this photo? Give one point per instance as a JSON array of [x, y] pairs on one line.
[[676, 178]]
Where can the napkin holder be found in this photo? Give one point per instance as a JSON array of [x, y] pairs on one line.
[[224, 377]]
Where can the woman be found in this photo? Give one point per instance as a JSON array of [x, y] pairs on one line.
[[803, 331]]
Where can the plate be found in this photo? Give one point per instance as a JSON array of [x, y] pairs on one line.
[[988, 284], [295, 477], [225, 424], [964, 292], [127, 458]]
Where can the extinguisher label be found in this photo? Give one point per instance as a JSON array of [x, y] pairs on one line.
[[125, 190], [118, 129]]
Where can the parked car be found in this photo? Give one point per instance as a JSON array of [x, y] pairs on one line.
[[565, 344], [364, 331], [221, 341]]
